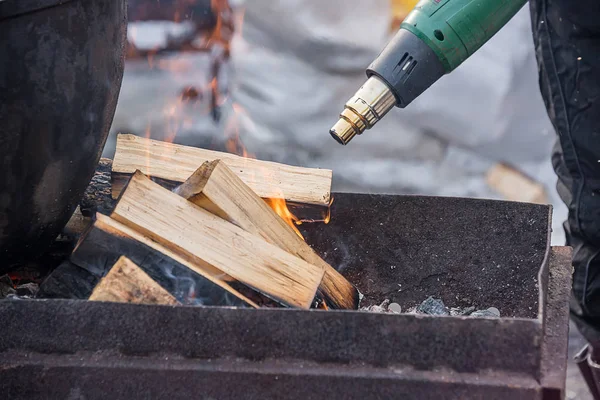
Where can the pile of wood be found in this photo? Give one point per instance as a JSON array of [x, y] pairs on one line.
[[204, 212]]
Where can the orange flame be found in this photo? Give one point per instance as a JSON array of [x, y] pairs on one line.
[[227, 24], [235, 145], [280, 207], [176, 112]]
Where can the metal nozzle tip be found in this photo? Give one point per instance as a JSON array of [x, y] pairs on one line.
[[343, 132]]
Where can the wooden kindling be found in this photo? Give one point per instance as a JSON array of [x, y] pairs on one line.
[[215, 243], [127, 283], [216, 188], [171, 163], [107, 240]]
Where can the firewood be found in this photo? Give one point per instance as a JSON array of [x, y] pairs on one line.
[[175, 163], [217, 189], [127, 283], [214, 242], [513, 185], [107, 240]]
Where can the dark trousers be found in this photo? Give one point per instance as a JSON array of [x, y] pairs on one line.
[[567, 41]]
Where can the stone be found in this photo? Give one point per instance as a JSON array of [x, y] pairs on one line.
[[383, 308], [461, 312], [27, 290], [6, 287], [491, 312], [395, 308], [494, 310], [433, 306]]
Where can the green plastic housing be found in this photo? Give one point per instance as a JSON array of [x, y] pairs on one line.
[[455, 29]]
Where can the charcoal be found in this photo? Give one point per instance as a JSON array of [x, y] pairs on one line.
[[432, 306], [68, 281], [382, 308], [6, 287], [27, 290], [462, 312]]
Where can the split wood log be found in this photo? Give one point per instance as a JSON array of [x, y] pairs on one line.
[[217, 189], [107, 240], [215, 243], [513, 185], [175, 163], [127, 283]]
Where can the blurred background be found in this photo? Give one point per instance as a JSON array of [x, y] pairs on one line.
[[268, 78]]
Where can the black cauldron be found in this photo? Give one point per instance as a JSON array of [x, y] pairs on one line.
[[61, 67]]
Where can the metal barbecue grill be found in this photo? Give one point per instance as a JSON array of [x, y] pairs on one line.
[[465, 252]]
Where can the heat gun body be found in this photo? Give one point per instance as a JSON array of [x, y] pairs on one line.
[[435, 39]]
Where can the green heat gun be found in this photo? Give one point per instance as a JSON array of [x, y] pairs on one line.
[[435, 38]]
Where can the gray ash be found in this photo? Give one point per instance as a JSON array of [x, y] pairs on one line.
[[432, 306]]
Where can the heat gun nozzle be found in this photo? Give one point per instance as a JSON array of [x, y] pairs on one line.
[[372, 101], [343, 132]]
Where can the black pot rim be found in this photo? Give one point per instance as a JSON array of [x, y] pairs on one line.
[[16, 8]]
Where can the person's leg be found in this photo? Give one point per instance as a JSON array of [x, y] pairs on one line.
[[567, 41]]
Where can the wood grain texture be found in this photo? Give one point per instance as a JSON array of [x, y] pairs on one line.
[[176, 163], [127, 283], [107, 240], [217, 189], [215, 243]]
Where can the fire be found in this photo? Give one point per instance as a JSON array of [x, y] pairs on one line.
[[225, 26], [235, 145], [176, 113], [325, 216], [323, 306], [280, 207]]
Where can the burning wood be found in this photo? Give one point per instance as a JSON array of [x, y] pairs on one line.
[[216, 244], [217, 189], [164, 249], [174, 163], [127, 283], [108, 239]]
